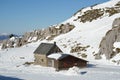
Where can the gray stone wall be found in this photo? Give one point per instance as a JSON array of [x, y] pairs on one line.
[[40, 60]]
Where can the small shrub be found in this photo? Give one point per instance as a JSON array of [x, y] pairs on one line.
[[64, 45], [118, 50], [84, 55], [28, 63], [118, 4], [97, 56], [22, 57], [113, 61]]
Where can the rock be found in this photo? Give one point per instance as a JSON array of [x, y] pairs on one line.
[[4, 44], [93, 14], [83, 55], [78, 48], [48, 34], [118, 4], [113, 35], [19, 42], [97, 56], [116, 23]]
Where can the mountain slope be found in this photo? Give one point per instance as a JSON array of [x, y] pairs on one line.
[[81, 35], [91, 31]]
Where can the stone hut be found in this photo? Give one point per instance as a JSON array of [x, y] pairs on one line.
[[43, 51], [50, 55]]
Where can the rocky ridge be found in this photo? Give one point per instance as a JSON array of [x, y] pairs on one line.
[[36, 35], [94, 14]]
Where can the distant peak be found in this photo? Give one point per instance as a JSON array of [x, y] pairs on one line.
[[4, 34]]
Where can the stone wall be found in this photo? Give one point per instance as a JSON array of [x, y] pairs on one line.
[[40, 60]]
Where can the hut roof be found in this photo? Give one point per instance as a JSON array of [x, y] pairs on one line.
[[59, 56], [44, 48]]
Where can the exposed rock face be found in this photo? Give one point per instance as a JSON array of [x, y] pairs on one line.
[[8, 43], [4, 44], [48, 34], [113, 35], [94, 14]]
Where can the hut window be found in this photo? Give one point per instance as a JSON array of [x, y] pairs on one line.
[[75, 64], [42, 60]]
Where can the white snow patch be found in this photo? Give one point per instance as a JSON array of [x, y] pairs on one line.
[[73, 71], [32, 39], [116, 44], [12, 39], [55, 56]]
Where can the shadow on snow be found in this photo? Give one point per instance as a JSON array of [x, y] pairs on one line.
[[91, 66], [8, 78]]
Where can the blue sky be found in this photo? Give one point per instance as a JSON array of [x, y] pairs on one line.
[[19, 16]]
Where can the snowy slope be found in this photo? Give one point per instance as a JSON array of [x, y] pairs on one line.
[[89, 33], [11, 67]]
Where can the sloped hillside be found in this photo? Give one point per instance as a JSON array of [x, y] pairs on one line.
[[92, 25], [82, 35]]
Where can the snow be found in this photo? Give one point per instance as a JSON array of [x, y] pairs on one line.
[[117, 57], [11, 66], [12, 39], [116, 44], [57, 27], [73, 71], [111, 4], [90, 33], [32, 39], [0, 46], [55, 56]]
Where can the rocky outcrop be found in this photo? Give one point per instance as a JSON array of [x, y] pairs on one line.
[[10, 43], [48, 34], [93, 14], [4, 44], [112, 36]]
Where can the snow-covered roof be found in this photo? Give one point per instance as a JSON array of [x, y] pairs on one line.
[[57, 56]]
